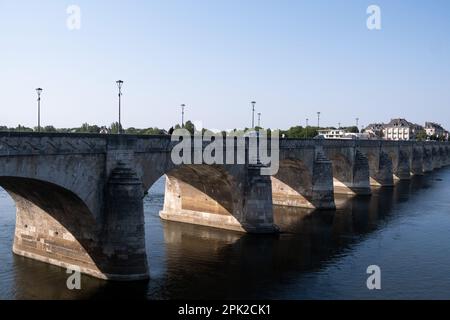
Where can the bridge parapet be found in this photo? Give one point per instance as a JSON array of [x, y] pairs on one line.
[[53, 144]]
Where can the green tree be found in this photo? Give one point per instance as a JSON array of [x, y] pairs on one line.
[[353, 129], [300, 132], [421, 135], [114, 128], [49, 129], [189, 126]]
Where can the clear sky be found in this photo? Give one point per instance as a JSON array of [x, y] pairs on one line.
[[293, 57]]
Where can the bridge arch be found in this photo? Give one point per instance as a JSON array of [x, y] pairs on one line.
[[350, 172], [293, 184], [54, 225], [221, 196], [380, 168]]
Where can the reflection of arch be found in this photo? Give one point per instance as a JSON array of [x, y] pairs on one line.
[[53, 225], [293, 184]]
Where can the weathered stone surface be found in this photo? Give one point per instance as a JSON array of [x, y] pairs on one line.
[[79, 198]]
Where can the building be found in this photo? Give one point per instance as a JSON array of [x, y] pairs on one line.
[[104, 130], [332, 133], [435, 130], [401, 129], [342, 134], [375, 130]]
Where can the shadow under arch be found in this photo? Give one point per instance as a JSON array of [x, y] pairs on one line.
[[208, 195], [54, 225], [293, 185], [380, 169], [350, 173]]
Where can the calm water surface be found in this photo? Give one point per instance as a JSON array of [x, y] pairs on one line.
[[320, 255]]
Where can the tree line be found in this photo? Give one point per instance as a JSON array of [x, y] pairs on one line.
[[297, 132]]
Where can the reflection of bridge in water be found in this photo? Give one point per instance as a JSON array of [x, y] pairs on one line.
[[79, 198], [198, 259]]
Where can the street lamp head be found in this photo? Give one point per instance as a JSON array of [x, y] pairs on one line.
[[183, 105], [253, 102], [39, 91], [119, 83]]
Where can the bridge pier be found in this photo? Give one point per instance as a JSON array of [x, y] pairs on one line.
[[417, 162], [436, 158], [123, 233], [447, 156], [402, 170], [323, 192], [427, 160], [442, 160]]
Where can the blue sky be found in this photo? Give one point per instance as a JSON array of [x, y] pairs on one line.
[[293, 57]]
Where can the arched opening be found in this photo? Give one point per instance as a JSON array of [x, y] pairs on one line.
[[342, 174], [203, 195], [380, 169], [395, 158], [374, 167], [53, 225], [350, 173], [293, 185]]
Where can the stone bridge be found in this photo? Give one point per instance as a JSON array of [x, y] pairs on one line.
[[79, 197]]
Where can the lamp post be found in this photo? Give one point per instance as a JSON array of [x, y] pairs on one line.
[[357, 123], [306, 133], [119, 85], [253, 113], [318, 120], [182, 115], [39, 91], [259, 119]]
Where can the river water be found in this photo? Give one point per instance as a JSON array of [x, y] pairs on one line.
[[404, 230]]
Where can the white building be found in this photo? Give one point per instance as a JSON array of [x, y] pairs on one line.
[[332, 133], [342, 134], [400, 129]]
